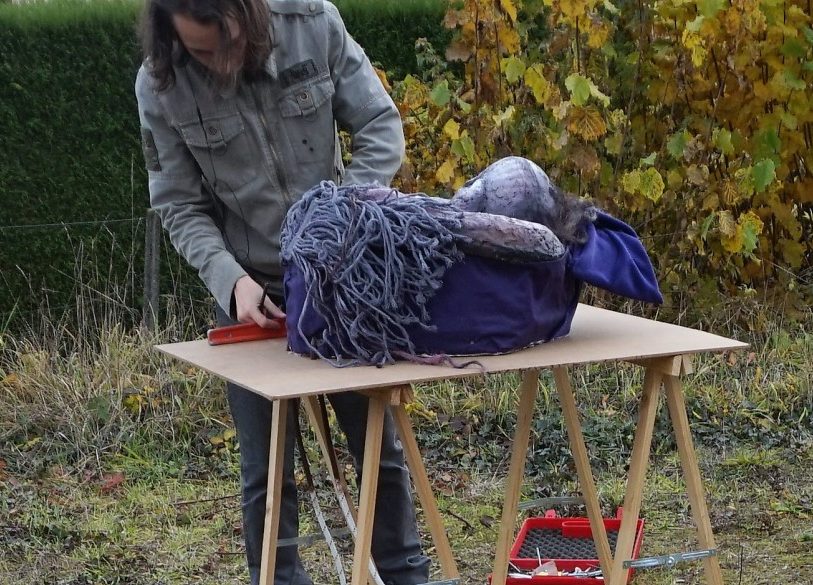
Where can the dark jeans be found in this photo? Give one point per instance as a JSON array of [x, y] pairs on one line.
[[396, 547]]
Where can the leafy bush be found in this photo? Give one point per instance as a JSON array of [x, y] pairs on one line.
[[690, 120]]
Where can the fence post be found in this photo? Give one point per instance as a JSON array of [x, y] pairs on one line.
[[152, 259]]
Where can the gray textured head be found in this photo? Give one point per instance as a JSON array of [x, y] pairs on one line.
[[517, 187]]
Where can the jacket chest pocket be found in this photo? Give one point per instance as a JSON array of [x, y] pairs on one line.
[[221, 148], [307, 115]]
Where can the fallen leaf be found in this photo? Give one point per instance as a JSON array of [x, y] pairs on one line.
[[111, 481], [11, 380], [457, 51], [382, 76]]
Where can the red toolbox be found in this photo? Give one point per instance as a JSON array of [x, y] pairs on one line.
[[568, 542]]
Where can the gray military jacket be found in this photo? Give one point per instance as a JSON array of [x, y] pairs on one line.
[[225, 167]]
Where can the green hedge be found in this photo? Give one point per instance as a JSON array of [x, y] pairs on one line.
[[388, 30], [69, 149], [69, 143]]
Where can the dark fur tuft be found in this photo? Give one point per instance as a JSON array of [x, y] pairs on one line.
[[574, 213]]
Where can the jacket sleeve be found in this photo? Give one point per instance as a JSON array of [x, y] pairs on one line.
[[362, 106], [178, 195]]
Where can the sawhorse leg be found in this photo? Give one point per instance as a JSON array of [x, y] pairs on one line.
[[635, 479], [663, 371], [379, 401], [369, 484], [519, 451], [422, 486], [585, 473], [314, 407], [395, 398], [691, 474], [276, 458]]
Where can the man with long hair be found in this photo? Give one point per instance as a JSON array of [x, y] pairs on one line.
[[239, 102]]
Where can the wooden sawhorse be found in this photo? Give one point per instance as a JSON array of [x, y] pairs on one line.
[[395, 398], [659, 371], [597, 335]]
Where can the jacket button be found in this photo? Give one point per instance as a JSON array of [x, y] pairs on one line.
[[212, 130], [303, 97]]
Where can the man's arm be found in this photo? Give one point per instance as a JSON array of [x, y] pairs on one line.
[[362, 106], [186, 210]]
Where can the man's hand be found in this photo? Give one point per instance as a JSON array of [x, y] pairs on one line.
[[247, 296]]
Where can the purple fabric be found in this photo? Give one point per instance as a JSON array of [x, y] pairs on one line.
[[488, 306], [613, 258], [484, 306]]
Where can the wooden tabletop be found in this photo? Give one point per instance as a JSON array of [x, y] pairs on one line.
[[597, 335]]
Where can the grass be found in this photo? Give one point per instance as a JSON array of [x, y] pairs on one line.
[[67, 529], [119, 466]]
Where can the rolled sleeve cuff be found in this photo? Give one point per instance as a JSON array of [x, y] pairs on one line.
[[226, 271]]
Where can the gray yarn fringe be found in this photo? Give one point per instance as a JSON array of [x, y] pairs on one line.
[[369, 268]]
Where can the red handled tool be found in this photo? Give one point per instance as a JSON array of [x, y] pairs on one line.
[[244, 332]]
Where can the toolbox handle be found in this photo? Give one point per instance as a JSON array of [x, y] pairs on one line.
[[577, 529], [580, 528]]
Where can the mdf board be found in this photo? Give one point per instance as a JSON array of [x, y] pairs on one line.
[[267, 368]]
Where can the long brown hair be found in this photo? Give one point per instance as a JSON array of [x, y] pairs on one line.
[[163, 50]]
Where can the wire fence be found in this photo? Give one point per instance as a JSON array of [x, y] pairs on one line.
[[146, 226], [68, 224], [150, 293]]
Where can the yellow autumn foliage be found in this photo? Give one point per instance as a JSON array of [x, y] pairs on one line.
[[586, 122], [691, 118]]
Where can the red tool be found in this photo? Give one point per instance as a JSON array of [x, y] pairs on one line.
[[244, 332]]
